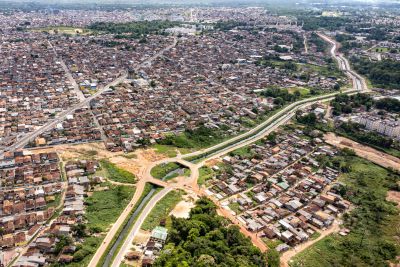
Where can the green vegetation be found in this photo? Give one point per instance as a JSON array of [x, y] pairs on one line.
[[281, 95], [345, 104], [205, 174], [53, 203], [135, 29], [385, 73], [162, 209], [166, 150], [273, 258], [117, 174], [355, 131], [331, 69], [160, 171], [234, 206], [312, 22], [308, 119], [320, 44], [85, 251], [372, 240], [198, 138], [272, 243], [146, 191], [228, 25], [103, 207], [131, 155], [315, 235], [274, 61], [388, 104], [243, 153], [206, 239]]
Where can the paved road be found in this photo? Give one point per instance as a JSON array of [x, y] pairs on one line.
[[256, 133], [136, 227], [359, 85], [62, 115]]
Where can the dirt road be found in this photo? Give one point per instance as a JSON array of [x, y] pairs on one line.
[[376, 156], [286, 256]]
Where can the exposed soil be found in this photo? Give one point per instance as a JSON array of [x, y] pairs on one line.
[[376, 156], [394, 196]]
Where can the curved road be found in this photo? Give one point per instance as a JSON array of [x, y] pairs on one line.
[[251, 136]]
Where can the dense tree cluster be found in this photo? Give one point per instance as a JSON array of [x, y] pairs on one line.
[[356, 131], [281, 95], [309, 118], [320, 44], [312, 23], [136, 29], [388, 104], [385, 73], [205, 239], [343, 103], [228, 25]]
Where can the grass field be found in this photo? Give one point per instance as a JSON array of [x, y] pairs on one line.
[[243, 152], [117, 174], [272, 243], [384, 49], [162, 209], [146, 191], [103, 209], [303, 91], [160, 171], [169, 151], [373, 240]]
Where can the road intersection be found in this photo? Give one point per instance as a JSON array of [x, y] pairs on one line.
[[190, 184]]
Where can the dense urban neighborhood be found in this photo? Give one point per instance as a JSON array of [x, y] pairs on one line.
[[193, 134]]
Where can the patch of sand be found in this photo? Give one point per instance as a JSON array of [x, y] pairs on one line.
[[141, 237], [394, 196], [212, 162], [182, 209]]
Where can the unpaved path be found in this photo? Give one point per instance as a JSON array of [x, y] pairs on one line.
[[366, 152], [286, 256]]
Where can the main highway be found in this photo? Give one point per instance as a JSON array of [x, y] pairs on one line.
[[22, 142], [271, 124], [190, 184], [358, 85]]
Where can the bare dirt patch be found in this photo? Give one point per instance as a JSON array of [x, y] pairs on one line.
[[97, 151], [376, 156], [141, 237], [394, 196], [212, 162], [182, 209]]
